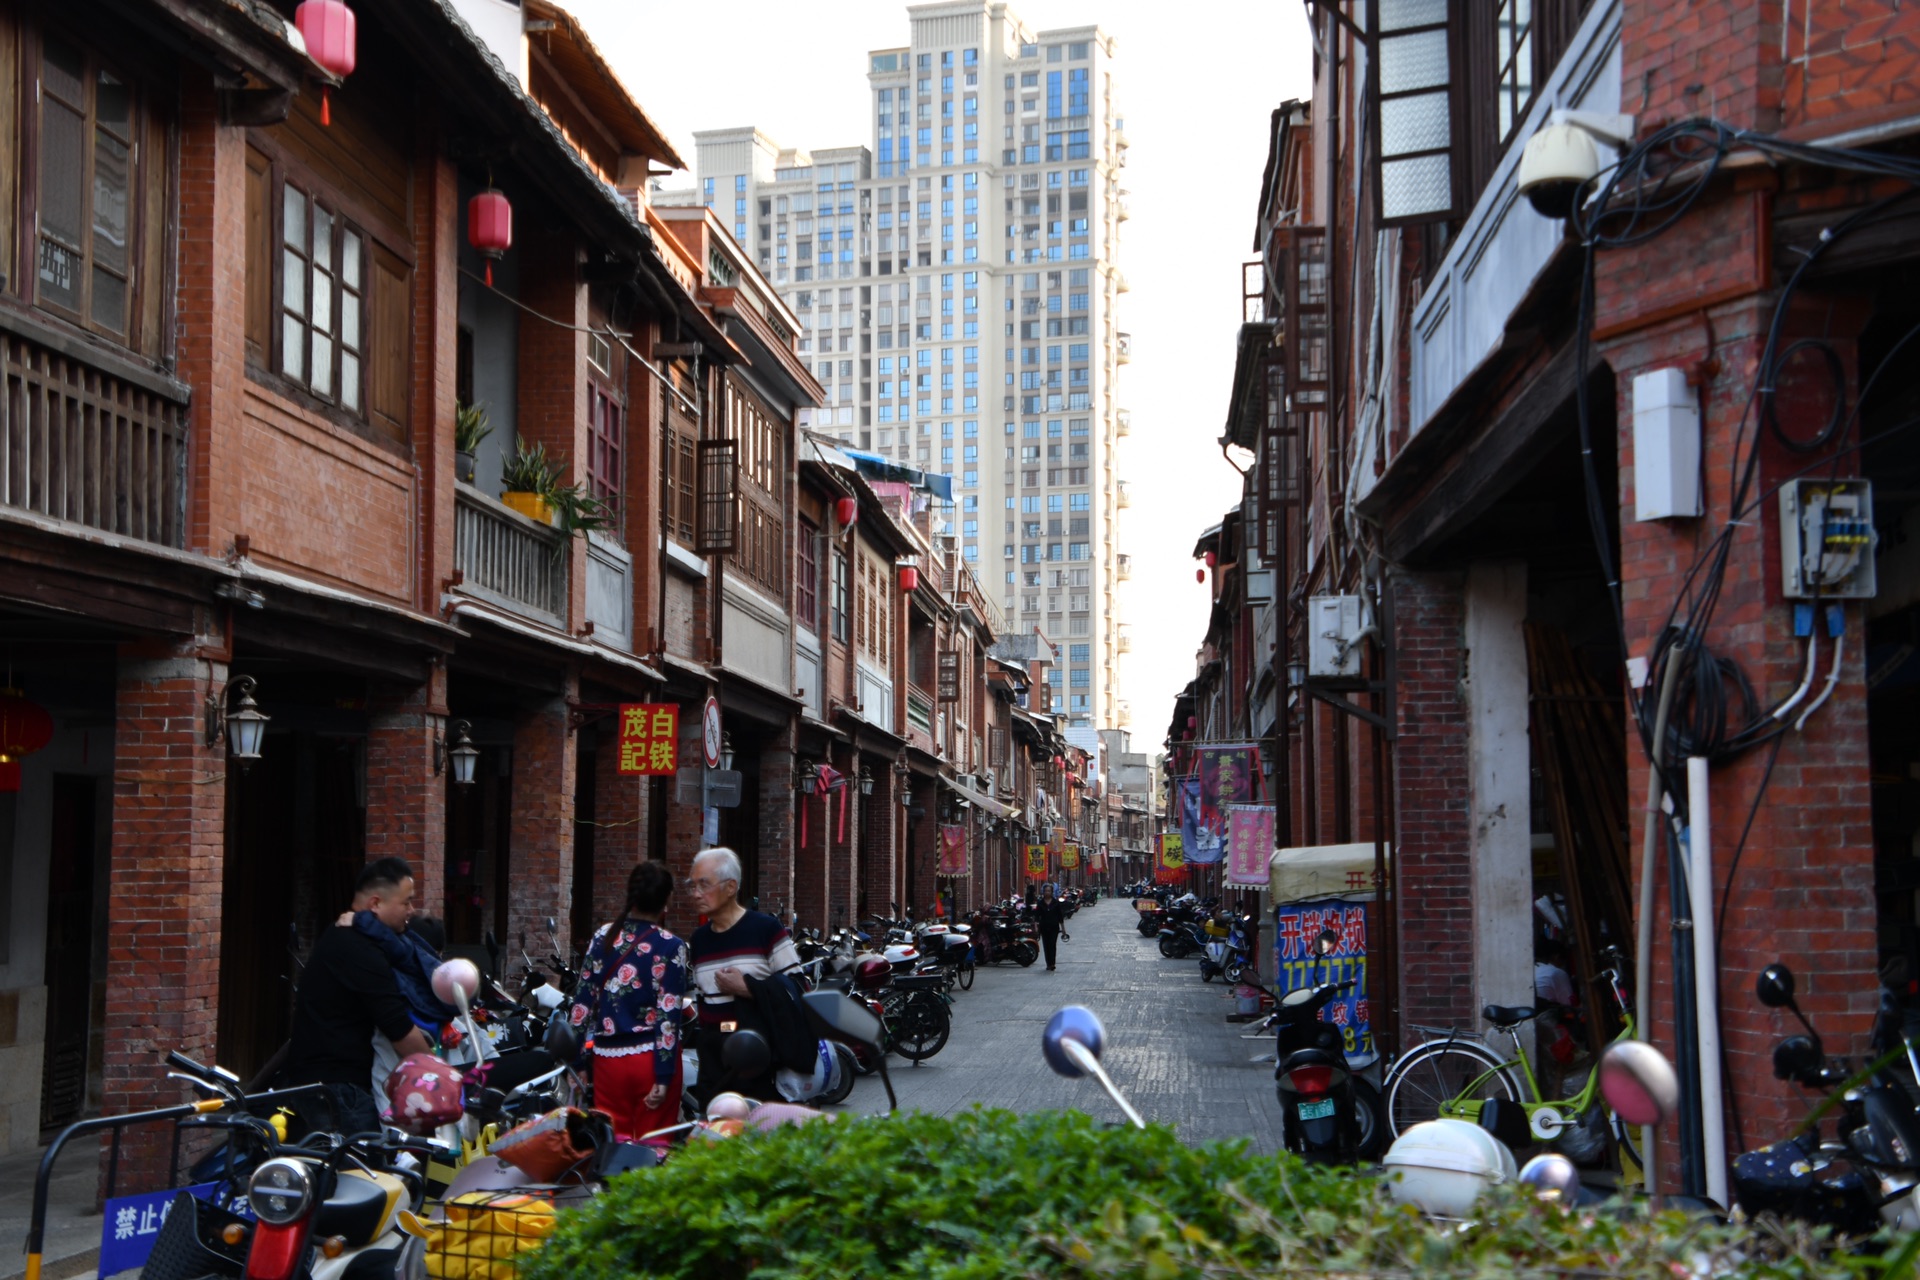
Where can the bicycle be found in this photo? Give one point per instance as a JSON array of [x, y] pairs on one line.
[[1456, 1076]]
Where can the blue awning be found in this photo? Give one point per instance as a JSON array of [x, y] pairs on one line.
[[876, 467]]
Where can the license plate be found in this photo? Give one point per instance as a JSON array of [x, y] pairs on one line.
[[1316, 1110]]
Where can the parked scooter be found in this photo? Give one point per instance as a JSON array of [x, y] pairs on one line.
[[1865, 1177], [1328, 1113]]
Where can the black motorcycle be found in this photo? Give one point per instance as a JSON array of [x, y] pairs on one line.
[[1328, 1114], [1865, 1177]]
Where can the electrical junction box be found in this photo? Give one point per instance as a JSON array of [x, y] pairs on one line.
[[1827, 539], [1333, 636], [1666, 446]]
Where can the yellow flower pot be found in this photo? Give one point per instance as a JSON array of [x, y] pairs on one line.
[[531, 505]]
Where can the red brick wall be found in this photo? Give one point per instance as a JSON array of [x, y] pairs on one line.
[[165, 868], [406, 796], [776, 852], [880, 820], [437, 225], [812, 863], [211, 319], [552, 374], [1433, 845], [620, 804], [540, 860], [1849, 64], [1804, 893]]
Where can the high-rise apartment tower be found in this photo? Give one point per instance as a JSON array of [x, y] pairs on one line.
[[959, 286]]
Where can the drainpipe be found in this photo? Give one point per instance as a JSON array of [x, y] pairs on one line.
[[1713, 1121]]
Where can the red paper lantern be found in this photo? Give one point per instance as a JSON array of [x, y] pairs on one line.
[[25, 727], [846, 511], [1199, 575], [1213, 559], [490, 226], [328, 27], [909, 578]]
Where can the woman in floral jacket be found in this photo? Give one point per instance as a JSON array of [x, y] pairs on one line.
[[631, 1000]]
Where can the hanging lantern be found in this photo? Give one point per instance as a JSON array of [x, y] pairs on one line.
[[846, 511], [1213, 558], [328, 27], [25, 727], [909, 577], [490, 226]]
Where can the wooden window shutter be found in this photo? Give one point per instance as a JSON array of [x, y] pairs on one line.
[[260, 257], [719, 497], [947, 685], [389, 344], [1411, 102]]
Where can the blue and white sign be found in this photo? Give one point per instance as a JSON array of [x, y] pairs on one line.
[[1296, 925], [130, 1224]]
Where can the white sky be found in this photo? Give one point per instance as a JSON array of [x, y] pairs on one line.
[[1196, 83]]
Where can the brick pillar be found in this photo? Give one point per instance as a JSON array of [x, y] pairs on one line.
[[1433, 890], [406, 797], [844, 853], [812, 864], [877, 884], [552, 377], [212, 310], [777, 859], [620, 815], [165, 869], [540, 867], [922, 859], [1804, 892]]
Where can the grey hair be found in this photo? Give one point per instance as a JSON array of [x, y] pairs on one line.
[[725, 862]]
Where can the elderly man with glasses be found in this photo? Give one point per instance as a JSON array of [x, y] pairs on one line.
[[735, 944]]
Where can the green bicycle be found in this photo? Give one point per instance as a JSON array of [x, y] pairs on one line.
[[1453, 1076]]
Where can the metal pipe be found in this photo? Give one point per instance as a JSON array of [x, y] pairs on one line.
[[1643, 942], [1713, 1119]]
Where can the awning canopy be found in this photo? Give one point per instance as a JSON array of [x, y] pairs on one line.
[[1322, 871], [986, 803], [876, 467]]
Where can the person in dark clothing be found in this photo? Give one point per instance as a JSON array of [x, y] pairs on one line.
[[1050, 918], [348, 992]]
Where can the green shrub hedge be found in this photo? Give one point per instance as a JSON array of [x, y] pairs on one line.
[[989, 1194]]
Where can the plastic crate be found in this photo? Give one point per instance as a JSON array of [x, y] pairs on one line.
[[486, 1233]]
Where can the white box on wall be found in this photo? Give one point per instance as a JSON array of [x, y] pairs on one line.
[[1666, 446]]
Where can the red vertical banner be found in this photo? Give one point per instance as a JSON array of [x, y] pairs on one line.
[[953, 851], [1070, 857], [649, 741], [1170, 866], [1036, 862]]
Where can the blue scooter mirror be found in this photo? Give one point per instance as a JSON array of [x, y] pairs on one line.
[[1072, 1044]]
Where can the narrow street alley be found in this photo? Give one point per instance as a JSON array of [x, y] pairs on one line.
[[1169, 1046]]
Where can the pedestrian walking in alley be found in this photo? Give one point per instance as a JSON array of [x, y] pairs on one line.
[[347, 992], [1050, 918], [733, 946], [632, 1000]]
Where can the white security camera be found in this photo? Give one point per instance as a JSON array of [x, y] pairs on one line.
[[1562, 157]]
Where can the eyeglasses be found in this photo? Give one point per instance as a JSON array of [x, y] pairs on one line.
[[704, 886]]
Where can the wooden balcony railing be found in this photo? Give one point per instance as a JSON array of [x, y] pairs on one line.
[[508, 559], [81, 442]]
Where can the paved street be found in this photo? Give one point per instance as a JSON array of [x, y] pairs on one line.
[[1169, 1046]]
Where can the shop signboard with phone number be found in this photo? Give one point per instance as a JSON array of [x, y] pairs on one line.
[[1296, 925]]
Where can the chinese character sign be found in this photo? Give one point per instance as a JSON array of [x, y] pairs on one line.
[[1249, 843], [1070, 857], [953, 851], [130, 1225], [649, 740], [1170, 864], [1295, 965], [1036, 862], [1223, 775], [1097, 859]]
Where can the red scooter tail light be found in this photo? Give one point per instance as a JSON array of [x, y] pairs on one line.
[[276, 1251], [1308, 1080]]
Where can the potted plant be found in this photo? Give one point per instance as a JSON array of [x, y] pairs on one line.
[[470, 427], [577, 510], [529, 480]]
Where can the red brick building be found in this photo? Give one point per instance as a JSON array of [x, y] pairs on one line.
[[238, 325], [1441, 424]]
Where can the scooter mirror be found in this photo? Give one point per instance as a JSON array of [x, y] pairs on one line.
[[563, 1039], [1774, 987], [1796, 1058], [1076, 1024], [553, 926], [453, 974], [1638, 1082], [1551, 1177], [1326, 942]]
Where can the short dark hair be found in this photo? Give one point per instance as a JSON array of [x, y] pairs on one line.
[[382, 873], [649, 885]]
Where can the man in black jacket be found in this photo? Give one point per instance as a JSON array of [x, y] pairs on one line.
[[1050, 919], [348, 992]]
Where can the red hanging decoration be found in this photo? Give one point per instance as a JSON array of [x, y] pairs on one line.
[[1213, 559], [909, 578], [490, 226], [25, 727], [329, 29], [846, 511], [1199, 575]]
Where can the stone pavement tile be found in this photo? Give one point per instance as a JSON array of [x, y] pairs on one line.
[[1169, 1046]]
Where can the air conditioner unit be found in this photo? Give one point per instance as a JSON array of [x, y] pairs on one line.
[[1334, 626]]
